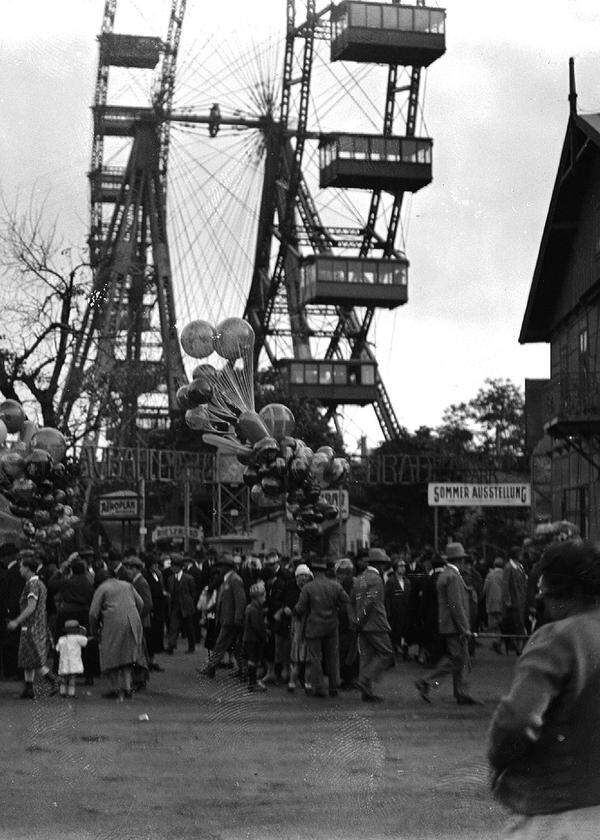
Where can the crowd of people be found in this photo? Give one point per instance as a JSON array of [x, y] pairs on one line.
[[321, 626]]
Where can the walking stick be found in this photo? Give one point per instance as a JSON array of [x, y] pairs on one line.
[[500, 636]]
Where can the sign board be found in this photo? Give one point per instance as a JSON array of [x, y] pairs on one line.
[[339, 498], [115, 506], [479, 495], [176, 532]]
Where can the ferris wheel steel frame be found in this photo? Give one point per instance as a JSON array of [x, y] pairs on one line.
[[288, 220]]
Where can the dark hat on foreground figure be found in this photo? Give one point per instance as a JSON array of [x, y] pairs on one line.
[[454, 551], [226, 560]]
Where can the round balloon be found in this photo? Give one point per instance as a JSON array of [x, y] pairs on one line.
[[12, 463], [28, 430], [250, 427], [197, 419], [38, 465], [3, 432], [204, 370], [182, 399], [278, 419], [51, 441], [23, 489], [234, 338], [266, 450], [199, 391], [197, 339], [12, 415]]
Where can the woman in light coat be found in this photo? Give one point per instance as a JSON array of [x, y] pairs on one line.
[[115, 615]]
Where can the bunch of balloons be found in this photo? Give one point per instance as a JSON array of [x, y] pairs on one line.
[[280, 470], [35, 485]]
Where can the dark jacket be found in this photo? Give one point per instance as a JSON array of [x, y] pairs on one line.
[[231, 601], [14, 586], [255, 630], [544, 743], [183, 594], [453, 603], [320, 601], [142, 587], [74, 594], [369, 603], [397, 605]]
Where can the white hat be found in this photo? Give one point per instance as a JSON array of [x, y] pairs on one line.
[[303, 569]]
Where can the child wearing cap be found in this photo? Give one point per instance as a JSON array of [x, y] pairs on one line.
[[70, 663], [255, 634]]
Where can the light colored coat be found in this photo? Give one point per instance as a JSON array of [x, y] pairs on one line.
[[115, 616], [492, 591], [453, 603]]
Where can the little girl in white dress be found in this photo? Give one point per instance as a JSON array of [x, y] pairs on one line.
[[70, 664]]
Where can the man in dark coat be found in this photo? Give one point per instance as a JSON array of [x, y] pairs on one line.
[[374, 643], [397, 593], [320, 601], [231, 606], [160, 610], [454, 625], [135, 566], [514, 596], [182, 605], [282, 596], [12, 586]]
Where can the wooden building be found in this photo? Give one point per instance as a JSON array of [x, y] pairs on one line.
[[563, 310]]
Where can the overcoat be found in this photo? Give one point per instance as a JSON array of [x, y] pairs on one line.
[[115, 616]]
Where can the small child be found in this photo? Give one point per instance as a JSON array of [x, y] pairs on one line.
[[255, 634], [70, 664]]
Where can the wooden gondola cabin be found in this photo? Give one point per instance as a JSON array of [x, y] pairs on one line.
[[564, 310], [331, 381], [371, 162], [384, 33], [351, 281]]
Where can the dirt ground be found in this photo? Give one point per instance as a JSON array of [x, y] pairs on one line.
[[214, 762]]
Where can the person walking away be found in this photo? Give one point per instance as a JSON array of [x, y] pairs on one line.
[[230, 610], [33, 640], [207, 608], [255, 634], [374, 644], [514, 595], [303, 575], [74, 594], [397, 595], [134, 566], [182, 605], [344, 571], [115, 618], [69, 646], [319, 601], [544, 740], [453, 620], [493, 599], [475, 586], [281, 598]]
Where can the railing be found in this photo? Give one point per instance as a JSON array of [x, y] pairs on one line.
[[573, 395]]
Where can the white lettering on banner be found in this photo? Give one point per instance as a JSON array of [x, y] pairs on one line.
[[166, 532], [479, 495]]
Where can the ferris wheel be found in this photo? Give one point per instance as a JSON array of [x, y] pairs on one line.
[[264, 175]]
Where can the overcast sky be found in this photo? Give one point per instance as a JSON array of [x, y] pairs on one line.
[[496, 106]]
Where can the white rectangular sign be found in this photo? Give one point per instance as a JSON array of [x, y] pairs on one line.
[[119, 507], [479, 495]]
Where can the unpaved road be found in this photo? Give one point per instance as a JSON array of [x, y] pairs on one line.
[[215, 763]]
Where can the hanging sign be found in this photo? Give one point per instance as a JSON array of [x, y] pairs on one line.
[[176, 532], [338, 498], [479, 495], [116, 506]]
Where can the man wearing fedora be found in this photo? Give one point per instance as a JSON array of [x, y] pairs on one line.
[[320, 600], [230, 610], [182, 605], [453, 620], [135, 566]]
